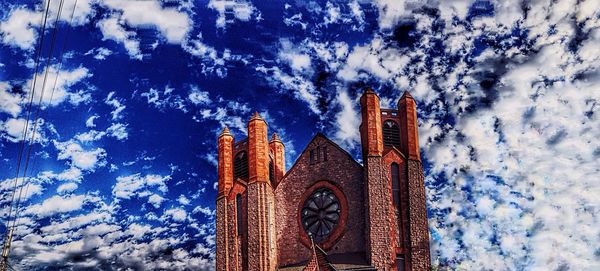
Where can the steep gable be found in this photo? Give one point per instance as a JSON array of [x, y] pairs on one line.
[[332, 149], [330, 166]]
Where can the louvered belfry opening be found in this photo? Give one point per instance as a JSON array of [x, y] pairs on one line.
[[391, 134], [240, 166]]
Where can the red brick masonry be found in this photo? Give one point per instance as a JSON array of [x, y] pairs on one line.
[[370, 231]]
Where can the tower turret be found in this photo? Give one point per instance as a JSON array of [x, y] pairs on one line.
[[225, 183], [262, 251], [377, 188], [278, 163], [370, 127], [407, 109], [225, 156], [417, 210], [258, 150]]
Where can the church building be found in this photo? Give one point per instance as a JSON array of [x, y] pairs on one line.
[[328, 211]]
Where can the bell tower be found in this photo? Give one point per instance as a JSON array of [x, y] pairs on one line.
[[377, 200], [418, 230], [262, 252], [225, 183]]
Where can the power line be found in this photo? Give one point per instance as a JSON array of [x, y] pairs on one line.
[[40, 106], [10, 230], [26, 126]]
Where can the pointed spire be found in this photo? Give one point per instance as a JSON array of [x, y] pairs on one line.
[[406, 95], [256, 116], [369, 90], [275, 138], [225, 132]]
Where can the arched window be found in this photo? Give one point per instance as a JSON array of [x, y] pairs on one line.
[[238, 206], [395, 170], [240, 165], [391, 134]]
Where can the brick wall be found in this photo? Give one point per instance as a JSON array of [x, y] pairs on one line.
[[221, 235], [260, 207], [342, 171], [419, 231], [378, 205]]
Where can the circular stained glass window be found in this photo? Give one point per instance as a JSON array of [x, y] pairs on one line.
[[320, 214]]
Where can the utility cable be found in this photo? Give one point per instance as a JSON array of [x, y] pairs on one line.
[[25, 128]]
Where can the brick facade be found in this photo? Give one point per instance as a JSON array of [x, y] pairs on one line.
[[365, 216], [339, 170]]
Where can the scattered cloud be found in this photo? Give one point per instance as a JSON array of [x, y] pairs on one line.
[[79, 157], [57, 205], [231, 10], [66, 188], [56, 89], [138, 185], [117, 105], [18, 29]]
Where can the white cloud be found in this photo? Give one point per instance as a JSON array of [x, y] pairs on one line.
[[376, 59], [155, 200], [183, 200], [116, 104], [392, 11], [347, 121], [56, 89], [333, 14], [89, 136], [12, 130], [90, 121], [118, 131], [297, 60], [136, 185], [9, 102], [176, 214], [241, 10], [19, 28], [57, 204], [71, 174], [302, 88], [172, 23], [66, 188], [79, 157], [203, 210], [199, 97], [99, 53], [74, 222], [112, 30]]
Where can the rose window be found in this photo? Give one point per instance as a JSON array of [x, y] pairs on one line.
[[320, 214]]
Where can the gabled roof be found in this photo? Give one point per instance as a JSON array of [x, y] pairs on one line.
[[315, 137], [394, 149]]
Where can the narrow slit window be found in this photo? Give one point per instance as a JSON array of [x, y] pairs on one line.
[[395, 171], [400, 262], [312, 156], [238, 206], [318, 153], [324, 153]]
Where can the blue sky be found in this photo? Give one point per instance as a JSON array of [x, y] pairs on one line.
[[123, 165]]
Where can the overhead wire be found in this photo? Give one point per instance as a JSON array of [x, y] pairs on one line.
[[61, 59], [7, 239], [41, 99], [7, 235], [26, 126]]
